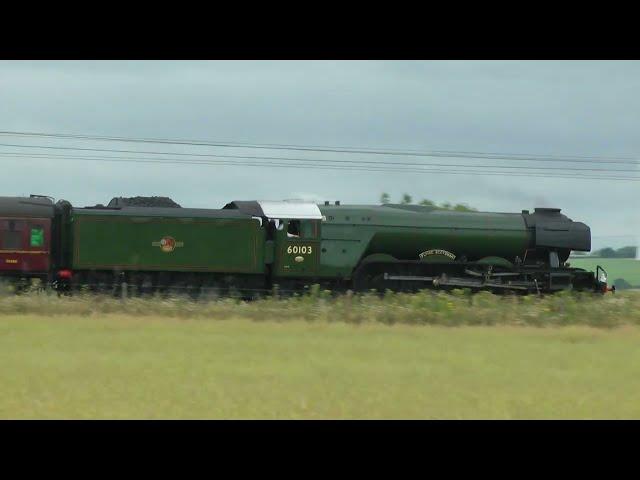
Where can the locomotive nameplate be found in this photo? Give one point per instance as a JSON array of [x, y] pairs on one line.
[[167, 244], [437, 252]]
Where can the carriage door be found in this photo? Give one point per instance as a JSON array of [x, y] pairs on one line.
[[297, 247]]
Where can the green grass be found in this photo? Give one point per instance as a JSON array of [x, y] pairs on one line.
[[426, 308], [125, 366], [625, 268]]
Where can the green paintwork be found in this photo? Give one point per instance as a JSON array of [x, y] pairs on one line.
[[435, 259], [119, 240], [298, 256], [496, 262], [327, 249], [378, 257], [351, 233]]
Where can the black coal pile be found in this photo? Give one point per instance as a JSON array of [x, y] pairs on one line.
[[164, 202]]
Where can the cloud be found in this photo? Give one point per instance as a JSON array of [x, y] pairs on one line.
[[556, 108]]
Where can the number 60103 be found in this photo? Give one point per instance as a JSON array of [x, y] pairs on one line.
[[304, 249]]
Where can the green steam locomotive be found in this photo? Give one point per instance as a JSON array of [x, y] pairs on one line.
[[254, 246]]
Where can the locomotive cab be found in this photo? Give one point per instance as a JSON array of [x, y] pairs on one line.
[[296, 237], [293, 236]]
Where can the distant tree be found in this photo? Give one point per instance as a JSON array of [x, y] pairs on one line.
[[406, 199], [461, 207], [626, 252], [605, 253]]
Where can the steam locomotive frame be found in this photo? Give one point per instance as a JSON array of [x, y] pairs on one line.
[[254, 246]]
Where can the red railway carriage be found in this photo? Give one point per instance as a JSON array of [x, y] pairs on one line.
[[25, 236]]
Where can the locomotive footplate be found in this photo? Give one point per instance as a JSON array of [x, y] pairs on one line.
[[443, 280]]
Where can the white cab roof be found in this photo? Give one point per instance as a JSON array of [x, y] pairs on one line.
[[292, 209]]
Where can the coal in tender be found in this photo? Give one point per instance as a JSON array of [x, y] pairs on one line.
[[164, 202]]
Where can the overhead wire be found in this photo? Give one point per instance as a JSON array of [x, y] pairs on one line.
[[361, 150], [192, 158], [368, 168], [191, 154], [350, 162]]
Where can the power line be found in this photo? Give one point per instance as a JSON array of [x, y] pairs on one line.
[[339, 168], [368, 162], [360, 150], [349, 162], [331, 164]]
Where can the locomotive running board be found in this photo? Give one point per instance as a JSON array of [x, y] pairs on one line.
[[498, 274], [454, 282], [407, 277]]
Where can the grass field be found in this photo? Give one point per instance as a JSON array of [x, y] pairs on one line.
[[625, 268], [117, 366], [427, 355]]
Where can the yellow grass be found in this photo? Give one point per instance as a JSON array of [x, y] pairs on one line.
[[123, 365]]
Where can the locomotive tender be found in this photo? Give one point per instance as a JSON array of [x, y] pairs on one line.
[[253, 246]]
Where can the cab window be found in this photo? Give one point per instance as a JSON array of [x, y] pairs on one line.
[[308, 229], [293, 229], [301, 229]]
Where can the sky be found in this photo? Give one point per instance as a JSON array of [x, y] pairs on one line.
[[548, 108]]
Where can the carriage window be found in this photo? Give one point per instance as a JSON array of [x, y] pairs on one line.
[[37, 236], [293, 230], [11, 240]]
